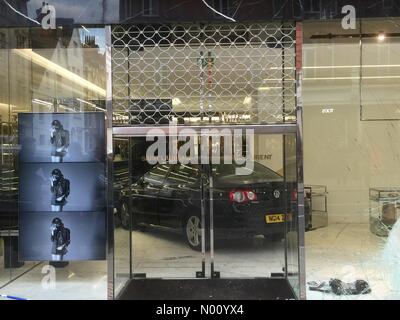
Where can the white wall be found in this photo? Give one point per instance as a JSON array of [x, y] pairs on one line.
[[268, 150], [340, 151]]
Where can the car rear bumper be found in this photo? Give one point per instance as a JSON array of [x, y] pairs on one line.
[[238, 233], [247, 224]]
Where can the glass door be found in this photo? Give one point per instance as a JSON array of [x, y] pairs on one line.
[[252, 210], [199, 217], [163, 211]]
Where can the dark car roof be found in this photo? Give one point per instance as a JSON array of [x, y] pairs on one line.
[[226, 174]]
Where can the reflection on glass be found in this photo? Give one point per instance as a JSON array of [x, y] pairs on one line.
[[122, 237], [165, 197], [171, 217], [380, 70], [60, 70], [250, 212], [351, 126]]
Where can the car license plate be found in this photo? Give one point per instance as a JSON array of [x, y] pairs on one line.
[[274, 218]]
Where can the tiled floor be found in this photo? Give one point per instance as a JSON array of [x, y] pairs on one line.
[[350, 252], [162, 254], [80, 280], [344, 251]]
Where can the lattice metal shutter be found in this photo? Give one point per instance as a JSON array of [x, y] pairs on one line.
[[204, 74]]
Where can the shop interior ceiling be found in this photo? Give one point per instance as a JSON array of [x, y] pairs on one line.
[[239, 78]]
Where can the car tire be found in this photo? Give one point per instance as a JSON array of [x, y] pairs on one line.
[[192, 232]]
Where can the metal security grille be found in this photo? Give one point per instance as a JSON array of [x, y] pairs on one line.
[[203, 74]]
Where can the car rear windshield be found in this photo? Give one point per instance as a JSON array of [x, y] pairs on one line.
[[259, 171]]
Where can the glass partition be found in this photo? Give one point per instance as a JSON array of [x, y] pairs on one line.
[[181, 217], [196, 219], [122, 215], [7, 165], [380, 70], [48, 71], [155, 212], [292, 228], [254, 212], [350, 148]]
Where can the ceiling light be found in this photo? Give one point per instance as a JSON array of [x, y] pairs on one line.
[[44, 103], [381, 36], [247, 100], [176, 102], [90, 104], [354, 78], [269, 88], [39, 60], [87, 102], [6, 105]]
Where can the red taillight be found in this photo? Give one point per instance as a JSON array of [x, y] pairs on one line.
[[294, 195], [242, 196], [237, 196], [251, 195]]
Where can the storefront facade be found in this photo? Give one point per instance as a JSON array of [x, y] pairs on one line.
[[304, 93]]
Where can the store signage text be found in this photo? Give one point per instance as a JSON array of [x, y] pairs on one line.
[[261, 157]]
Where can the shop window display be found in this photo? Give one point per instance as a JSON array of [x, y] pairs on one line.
[[350, 130], [51, 85], [225, 81], [350, 144]]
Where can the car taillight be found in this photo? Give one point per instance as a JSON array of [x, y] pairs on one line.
[[237, 196], [251, 195], [242, 196], [294, 195]]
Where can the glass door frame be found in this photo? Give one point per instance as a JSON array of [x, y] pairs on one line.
[[294, 129], [286, 131], [133, 131]]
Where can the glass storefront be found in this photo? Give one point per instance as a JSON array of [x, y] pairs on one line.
[[204, 221], [350, 150], [169, 80], [184, 75], [49, 72]]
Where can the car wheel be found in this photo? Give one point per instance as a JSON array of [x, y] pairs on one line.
[[125, 216], [193, 232]]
